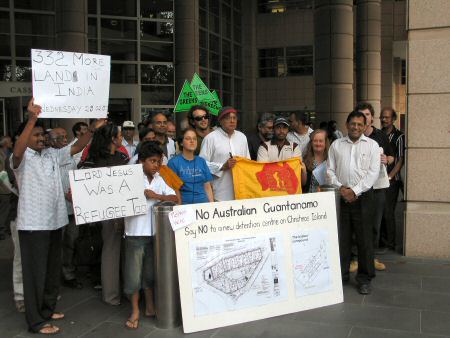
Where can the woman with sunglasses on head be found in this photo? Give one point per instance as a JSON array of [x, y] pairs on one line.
[[193, 171], [200, 119]]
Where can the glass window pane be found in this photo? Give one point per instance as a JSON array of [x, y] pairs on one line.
[[92, 46], [118, 7], [214, 81], [118, 29], [5, 46], [120, 50], [156, 74], [92, 28], [214, 7], [237, 60], [226, 83], [214, 43], [4, 3], [4, 22], [153, 51], [5, 70], [157, 95], [203, 57], [214, 61], [237, 4], [203, 21], [23, 70], [157, 9], [203, 3], [43, 5], [157, 31], [226, 56], [35, 24], [226, 99], [214, 23], [25, 43], [92, 6], [121, 73], [203, 39]]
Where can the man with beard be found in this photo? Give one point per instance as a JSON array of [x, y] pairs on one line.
[[263, 134], [220, 146], [200, 119], [397, 140]]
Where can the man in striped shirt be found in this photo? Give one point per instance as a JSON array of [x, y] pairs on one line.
[[396, 138]]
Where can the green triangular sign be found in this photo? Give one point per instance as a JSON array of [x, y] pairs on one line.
[[214, 105], [186, 99], [200, 89]]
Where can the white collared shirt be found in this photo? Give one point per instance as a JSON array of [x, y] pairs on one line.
[[64, 167], [354, 165], [41, 200], [216, 149], [269, 152], [142, 225], [130, 147], [301, 140]]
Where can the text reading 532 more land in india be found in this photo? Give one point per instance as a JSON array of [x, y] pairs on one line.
[[70, 84]]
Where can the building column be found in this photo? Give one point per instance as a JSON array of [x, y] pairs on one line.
[[71, 36], [427, 226], [368, 53], [333, 60], [387, 39], [186, 46]]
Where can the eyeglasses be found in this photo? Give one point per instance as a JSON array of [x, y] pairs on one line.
[[199, 118]]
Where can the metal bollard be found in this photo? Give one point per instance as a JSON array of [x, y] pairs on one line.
[[167, 294], [337, 196]]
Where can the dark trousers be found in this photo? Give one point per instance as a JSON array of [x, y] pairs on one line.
[[4, 213], [389, 212], [70, 235], [357, 218], [378, 206], [41, 268]]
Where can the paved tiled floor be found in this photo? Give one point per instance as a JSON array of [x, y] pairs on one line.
[[410, 300]]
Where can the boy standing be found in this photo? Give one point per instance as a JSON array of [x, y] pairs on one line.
[[139, 231]]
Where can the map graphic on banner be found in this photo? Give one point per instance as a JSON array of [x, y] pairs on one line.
[[197, 93], [311, 263], [70, 84], [233, 274]]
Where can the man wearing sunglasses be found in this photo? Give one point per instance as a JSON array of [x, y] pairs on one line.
[[199, 119]]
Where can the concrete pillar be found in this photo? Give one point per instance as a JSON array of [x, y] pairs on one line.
[[333, 59], [186, 46], [71, 35], [427, 226], [250, 70], [368, 53], [387, 39]]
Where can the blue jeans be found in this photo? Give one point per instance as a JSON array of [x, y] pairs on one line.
[[138, 270]]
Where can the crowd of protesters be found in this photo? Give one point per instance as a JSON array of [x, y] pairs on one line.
[[195, 168]]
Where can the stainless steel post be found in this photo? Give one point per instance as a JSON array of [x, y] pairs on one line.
[[167, 294], [337, 197]]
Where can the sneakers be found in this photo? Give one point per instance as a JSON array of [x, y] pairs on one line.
[[353, 266], [378, 265]]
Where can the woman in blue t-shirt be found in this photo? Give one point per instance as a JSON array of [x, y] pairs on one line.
[[193, 171]]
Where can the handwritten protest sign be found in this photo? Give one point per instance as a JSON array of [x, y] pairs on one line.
[[182, 217], [251, 259], [101, 194], [70, 84]]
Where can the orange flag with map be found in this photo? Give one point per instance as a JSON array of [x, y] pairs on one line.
[[253, 179]]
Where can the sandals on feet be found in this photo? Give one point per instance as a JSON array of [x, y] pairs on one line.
[[57, 315], [49, 329], [132, 324]]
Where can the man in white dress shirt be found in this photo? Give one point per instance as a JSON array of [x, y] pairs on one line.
[[128, 141], [220, 146], [353, 166]]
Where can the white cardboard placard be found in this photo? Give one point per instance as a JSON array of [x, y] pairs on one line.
[[246, 260], [100, 194], [70, 84]]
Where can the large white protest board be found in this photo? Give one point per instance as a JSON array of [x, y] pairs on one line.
[[70, 84], [252, 259], [101, 194]]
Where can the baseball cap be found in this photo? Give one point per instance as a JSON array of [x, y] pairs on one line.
[[281, 120], [128, 124], [225, 111]]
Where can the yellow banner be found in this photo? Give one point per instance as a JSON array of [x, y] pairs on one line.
[[253, 179]]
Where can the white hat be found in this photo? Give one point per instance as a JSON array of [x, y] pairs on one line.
[[128, 124]]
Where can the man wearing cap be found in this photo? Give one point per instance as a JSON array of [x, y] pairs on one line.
[[279, 148], [221, 146], [129, 142], [300, 130]]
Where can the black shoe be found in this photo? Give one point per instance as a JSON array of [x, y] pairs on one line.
[[364, 289], [73, 284]]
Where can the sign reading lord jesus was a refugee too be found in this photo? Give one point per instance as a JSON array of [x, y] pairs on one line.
[[69, 84], [251, 259], [100, 194]]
